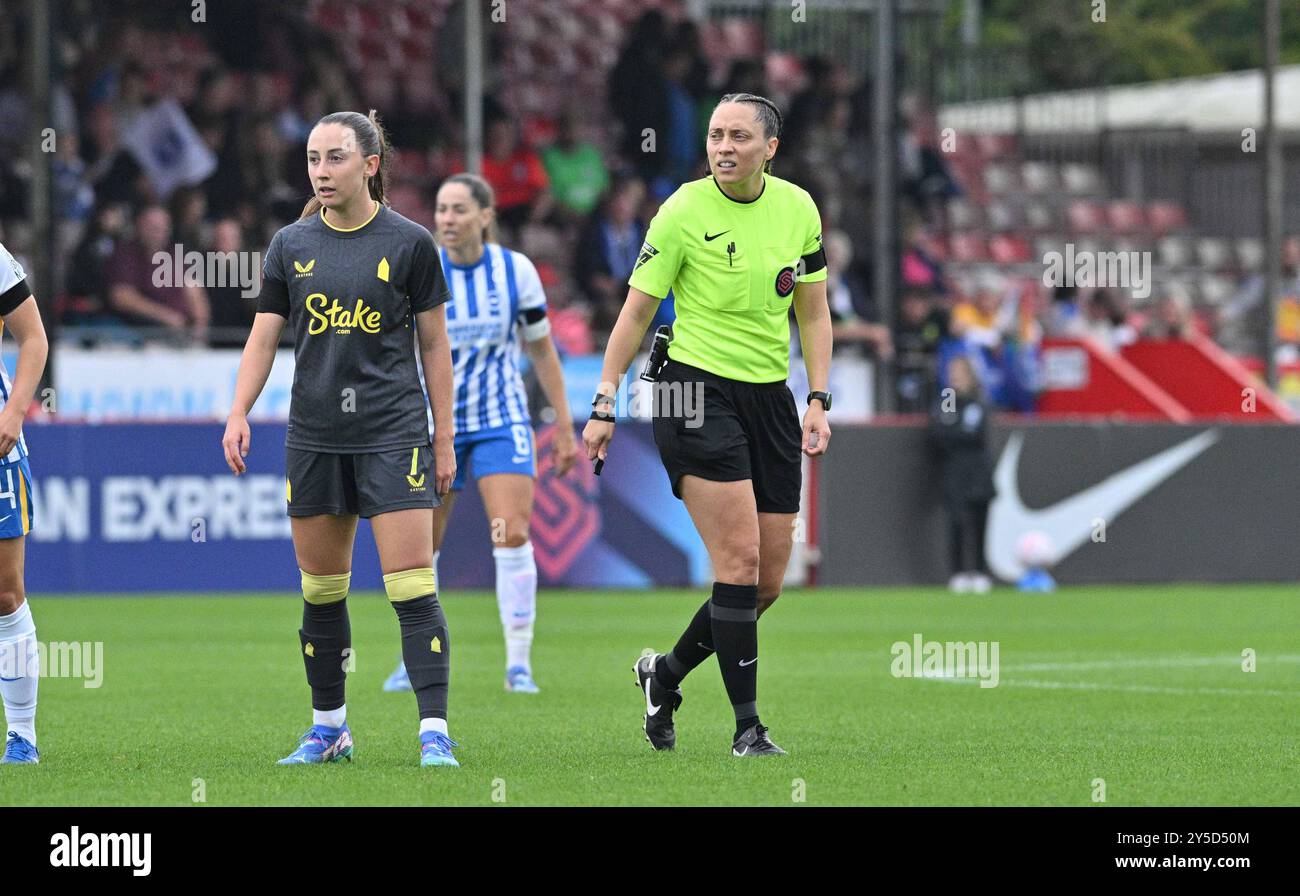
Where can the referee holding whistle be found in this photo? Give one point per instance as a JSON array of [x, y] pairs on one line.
[[736, 248]]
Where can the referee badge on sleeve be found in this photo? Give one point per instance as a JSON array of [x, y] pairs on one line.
[[785, 282], [647, 252]]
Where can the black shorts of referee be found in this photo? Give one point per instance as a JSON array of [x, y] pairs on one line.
[[738, 431]]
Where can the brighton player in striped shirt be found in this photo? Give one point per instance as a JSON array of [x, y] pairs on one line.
[[495, 296], [19, 657]]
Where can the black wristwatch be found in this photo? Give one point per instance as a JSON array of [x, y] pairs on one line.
[[607, 415], [824, 397]]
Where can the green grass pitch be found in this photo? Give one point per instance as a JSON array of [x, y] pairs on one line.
[[1141, 687]]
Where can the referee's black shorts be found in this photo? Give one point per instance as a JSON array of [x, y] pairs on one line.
[[739, 431]]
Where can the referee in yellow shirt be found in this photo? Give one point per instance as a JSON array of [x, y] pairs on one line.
[[735, 248]]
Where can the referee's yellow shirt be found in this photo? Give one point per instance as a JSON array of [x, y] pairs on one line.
[[732, 267]]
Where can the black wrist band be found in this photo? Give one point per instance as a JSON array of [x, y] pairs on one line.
[[603, 418]]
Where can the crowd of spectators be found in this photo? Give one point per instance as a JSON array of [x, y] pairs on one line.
[[575, 191]]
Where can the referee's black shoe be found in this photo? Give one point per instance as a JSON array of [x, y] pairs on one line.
[[660, 704], [753, 741]]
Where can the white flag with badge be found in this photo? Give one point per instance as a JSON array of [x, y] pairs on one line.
[[168, 148]]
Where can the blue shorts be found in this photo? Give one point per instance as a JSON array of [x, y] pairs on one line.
[[502, 449], [16, 511]]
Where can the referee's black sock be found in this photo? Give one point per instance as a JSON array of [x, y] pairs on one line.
[[692, 648], [734, 611], [325, 634], [426, 651]]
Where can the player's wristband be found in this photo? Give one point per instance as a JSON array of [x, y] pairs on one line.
[[602, 417]]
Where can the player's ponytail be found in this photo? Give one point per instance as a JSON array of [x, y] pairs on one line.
[[371, 141], [379, 183], [481, 192], [765, 111]]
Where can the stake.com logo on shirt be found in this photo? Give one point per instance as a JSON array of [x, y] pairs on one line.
[[340, 318]]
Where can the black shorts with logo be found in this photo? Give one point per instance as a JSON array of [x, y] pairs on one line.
[[319, 482], [739, 431]]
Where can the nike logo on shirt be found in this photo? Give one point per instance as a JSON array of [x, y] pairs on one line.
[[709, 239]]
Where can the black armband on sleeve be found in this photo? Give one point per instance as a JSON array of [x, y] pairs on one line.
[[532, 315], [14, 296], [274, 297], [814, 261]]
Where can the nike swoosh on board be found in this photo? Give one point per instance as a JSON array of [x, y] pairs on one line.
[[1069, 522]]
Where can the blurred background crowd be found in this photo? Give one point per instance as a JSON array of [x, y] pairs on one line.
[[571, 90]]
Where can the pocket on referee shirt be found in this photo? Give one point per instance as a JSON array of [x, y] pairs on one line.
[[726, 285]]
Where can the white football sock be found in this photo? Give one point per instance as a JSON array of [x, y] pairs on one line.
[[517, 601], [330, 718], [439, 725], [20, 671]]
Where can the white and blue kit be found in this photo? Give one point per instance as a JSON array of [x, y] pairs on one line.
[[492, 302], [16, 511]]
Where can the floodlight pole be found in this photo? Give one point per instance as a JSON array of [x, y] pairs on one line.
[[473, 87], [885, 199], [1272, 172]]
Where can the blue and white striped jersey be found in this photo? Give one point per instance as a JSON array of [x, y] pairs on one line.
[[12, 286], [484, 317]]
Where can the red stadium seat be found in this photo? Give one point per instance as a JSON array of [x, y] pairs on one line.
[[1009, 249], [1125, 216], [968, 247], [995, 146], [1166, 216], [1085, 216]]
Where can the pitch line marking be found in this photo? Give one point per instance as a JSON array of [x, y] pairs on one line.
[[1148, 662]]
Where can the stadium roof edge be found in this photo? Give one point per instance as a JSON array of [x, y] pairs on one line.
[[1223, 102]]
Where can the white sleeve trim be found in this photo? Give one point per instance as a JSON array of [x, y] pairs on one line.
[[529, 283], [11, 272], [539, 330]]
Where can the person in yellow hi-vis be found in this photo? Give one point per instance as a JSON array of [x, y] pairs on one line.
[[736, 248]]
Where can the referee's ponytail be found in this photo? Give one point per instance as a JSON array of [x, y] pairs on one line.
[[371, 141], [765, 111]]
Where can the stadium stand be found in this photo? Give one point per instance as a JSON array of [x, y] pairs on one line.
[[994, 202]]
